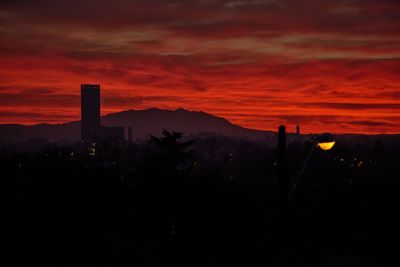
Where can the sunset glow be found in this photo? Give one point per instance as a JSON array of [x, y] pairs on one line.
[[325, 65]]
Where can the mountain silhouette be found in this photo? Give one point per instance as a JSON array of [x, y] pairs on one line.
[[143, 122]]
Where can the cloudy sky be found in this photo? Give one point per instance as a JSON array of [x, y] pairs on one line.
[[326, 65]]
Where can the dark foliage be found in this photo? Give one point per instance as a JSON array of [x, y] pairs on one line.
[[207, 201]]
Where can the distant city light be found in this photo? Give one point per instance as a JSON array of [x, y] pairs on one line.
[[92, 150]]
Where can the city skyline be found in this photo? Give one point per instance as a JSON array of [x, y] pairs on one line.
[[327, 66]]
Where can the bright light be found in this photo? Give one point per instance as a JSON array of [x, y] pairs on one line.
[[326, 145]]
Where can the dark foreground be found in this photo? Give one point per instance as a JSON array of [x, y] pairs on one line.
[[212, 202]]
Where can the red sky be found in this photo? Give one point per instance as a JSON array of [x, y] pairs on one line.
[[326, 65]]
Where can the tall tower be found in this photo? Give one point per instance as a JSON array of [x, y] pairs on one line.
[[90, 112]]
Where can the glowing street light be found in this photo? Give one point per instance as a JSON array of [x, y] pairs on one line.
[[326, 141], [326, 146]]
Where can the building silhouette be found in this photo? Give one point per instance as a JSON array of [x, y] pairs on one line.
[[130, 134], [91, 129], [90, 112]]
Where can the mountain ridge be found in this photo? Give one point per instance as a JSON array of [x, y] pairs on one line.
[[153, 121], [143, 122]]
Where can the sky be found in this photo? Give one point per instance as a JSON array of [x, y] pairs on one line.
[[325, 65]]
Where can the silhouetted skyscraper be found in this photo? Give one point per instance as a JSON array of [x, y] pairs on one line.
[[90, 112]]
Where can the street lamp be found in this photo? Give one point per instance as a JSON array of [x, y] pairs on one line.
[[325, 142]]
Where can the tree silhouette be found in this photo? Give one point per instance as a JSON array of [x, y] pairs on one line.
[[172, 156]]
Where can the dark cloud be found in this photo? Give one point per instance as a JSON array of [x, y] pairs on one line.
[[130, 101], [353, 106], [371, 123], [38, 100], [199, 17]]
